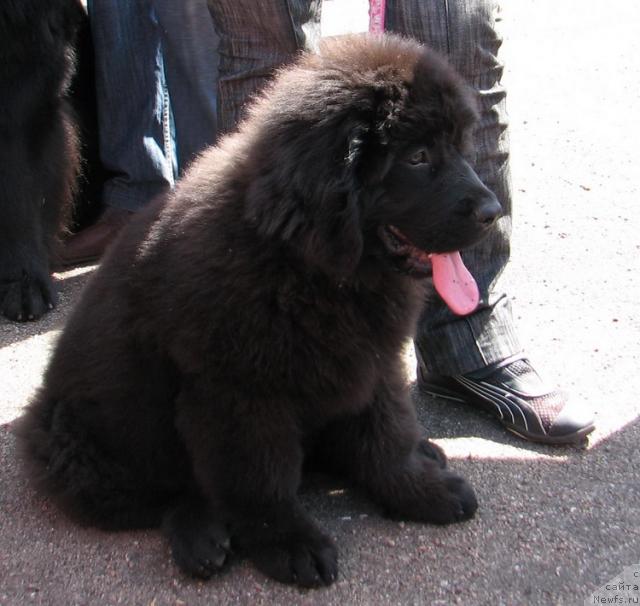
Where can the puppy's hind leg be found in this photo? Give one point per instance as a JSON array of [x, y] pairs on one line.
[[69, 464], [381, 450]]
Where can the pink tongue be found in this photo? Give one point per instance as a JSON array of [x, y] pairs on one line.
[[454, 283]]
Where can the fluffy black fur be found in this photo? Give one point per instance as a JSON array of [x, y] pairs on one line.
[[259, 315], [38, 147]]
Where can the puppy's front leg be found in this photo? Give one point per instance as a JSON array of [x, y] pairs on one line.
[[247, 459], [381, 450]]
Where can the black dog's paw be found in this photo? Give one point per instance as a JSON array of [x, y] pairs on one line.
[[26, 297], [304, 560], [432, 451], [203, 552], [442, 500], [200, 546]]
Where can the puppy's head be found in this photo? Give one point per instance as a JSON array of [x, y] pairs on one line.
[[362, 153]]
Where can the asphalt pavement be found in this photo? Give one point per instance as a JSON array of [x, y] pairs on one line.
[[554, 524]]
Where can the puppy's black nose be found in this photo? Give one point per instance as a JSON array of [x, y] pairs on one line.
[[485, 208]]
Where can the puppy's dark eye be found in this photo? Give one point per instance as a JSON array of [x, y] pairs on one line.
[[419, 157]]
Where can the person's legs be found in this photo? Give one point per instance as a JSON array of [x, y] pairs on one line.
[[256, 38], [477, 358], [137, 150], [465, 31], [133, 102], [155, 71], [189, 49]]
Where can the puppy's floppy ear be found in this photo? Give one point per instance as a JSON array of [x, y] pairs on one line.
[[309, 197], [334, 237]]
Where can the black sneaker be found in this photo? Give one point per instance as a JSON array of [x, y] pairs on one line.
[[513, 392]]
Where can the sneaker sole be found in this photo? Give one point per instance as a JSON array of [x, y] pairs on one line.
[[574, 439]]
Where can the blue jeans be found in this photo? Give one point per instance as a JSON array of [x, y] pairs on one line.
[[255, 38], [156, 74]]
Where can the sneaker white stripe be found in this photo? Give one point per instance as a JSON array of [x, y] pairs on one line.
[[505, 398], [474, 387], [517, 402], [493, 394], [511, 402]]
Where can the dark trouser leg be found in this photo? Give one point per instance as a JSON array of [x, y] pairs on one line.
[[465, 31], [255, 39]]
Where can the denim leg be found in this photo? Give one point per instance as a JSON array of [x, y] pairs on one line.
[[189, 47], [466, 30], [133, 102], [255, 39]]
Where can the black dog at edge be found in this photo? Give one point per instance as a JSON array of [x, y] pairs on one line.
[[39, 157], [258, 317]]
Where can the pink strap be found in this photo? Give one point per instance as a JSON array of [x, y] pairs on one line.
[[376, 16]]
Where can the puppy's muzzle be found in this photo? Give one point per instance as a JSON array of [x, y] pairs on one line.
[[483, 208], [476, 202]]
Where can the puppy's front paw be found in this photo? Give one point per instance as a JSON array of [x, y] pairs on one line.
[[433, 495], [199, 545], [454, 500], [305, 560]]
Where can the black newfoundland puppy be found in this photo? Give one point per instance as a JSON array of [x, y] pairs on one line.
[[258, 318], [38, 147]]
